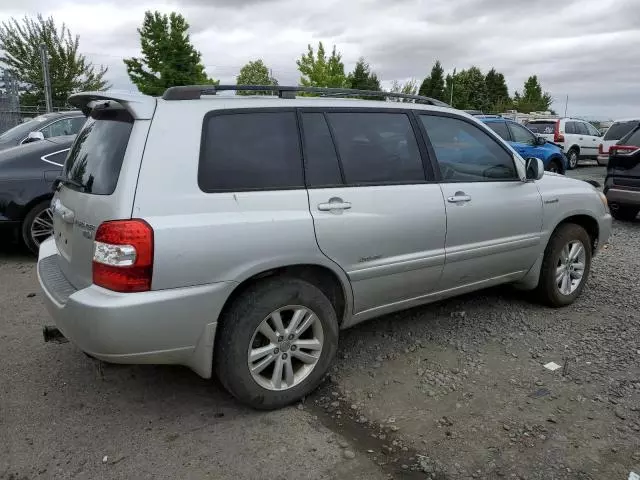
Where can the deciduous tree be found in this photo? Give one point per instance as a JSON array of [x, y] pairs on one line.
[[318, 70], [254, 73]]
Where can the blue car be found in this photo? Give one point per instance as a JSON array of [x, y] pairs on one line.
[[527, 143]]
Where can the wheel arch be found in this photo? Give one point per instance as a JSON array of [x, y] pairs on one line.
[[335, 285], [32, 203]]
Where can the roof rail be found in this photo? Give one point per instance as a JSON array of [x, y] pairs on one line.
[[194, 92]]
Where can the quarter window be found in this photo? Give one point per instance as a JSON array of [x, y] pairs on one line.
[[376, 147], [465, 153], [250, 151]]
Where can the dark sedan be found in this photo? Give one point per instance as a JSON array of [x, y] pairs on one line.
[[49, 125], [27, 173]]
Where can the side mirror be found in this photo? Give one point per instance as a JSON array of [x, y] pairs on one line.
[[34, 137], [540, 141], [534, 168]]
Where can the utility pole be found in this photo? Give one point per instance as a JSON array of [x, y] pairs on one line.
[[566, 105], [45, 75], [453, 80]]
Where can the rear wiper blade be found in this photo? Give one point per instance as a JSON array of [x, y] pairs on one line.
[[68, 181]]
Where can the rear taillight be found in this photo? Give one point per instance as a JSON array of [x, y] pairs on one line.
[[600, 149], [622, 150], [557, 137], [123, 256]]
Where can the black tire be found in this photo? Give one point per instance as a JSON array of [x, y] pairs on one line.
[[240, 321], [573, 157], [548, 290], [555, 166], [625, 214], [32, 244]]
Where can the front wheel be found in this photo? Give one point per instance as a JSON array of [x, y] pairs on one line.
[[572, 158], [37, 226], [566, 265], [276, 342]]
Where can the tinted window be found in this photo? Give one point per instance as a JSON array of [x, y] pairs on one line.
[[465, 153], [21, 131], [521, 134], [500, 128], [581, 128], [633, 139], [377, 147], [571, 127], [322, 168], [619, 130], [542, 128], [96, 156], [250, 151]]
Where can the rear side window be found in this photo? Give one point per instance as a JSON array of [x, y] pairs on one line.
[[619, 130], [542, 128], [377, 147], [95, 159], [465, 153], [500, 128], [571, 127], [633, 139], [521, 134], [250, 151], [582, 128], [322, 167], [66, 126]]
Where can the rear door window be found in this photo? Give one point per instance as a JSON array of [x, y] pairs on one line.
[[321, 160], [95, 159], [581, 128], [619, 130], [593, 131], [376, 147], [501, 129], [571, 128], [247, 151], [542, 128]]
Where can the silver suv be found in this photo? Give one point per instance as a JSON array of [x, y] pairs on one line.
[[241, 234]]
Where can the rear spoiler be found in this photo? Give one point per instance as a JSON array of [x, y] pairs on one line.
[[141, 107]]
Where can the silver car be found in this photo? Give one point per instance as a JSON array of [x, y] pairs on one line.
[[241, 234]]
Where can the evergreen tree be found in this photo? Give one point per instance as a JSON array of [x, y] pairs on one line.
[[434, 85], [319, 71]]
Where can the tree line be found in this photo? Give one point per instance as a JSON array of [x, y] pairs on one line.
[[168, 58]]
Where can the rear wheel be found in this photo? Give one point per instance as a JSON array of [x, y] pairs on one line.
[[37, 226], [625, 214], [276, 342], [572, 157], [566, 265]]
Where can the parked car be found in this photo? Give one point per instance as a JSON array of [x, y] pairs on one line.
[[526, 143], [579, 139], [622, 183], [244, 259], [615, 132], [27, 173], [49, 125]]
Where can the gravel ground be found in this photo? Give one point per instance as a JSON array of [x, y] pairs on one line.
[[452, 390]]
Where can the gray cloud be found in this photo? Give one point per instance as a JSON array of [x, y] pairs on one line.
[[584, 48]]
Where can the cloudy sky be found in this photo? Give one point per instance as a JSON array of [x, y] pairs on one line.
[[586, 49]]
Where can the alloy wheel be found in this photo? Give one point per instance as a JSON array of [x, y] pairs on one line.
[[42, 226], [570, 267]]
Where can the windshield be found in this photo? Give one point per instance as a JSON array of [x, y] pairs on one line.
[[21, 131], [542, 128], [95, 159], [620, 129]]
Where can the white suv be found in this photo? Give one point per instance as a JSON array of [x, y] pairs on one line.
[[241, 234], [615, 132], [579, 139]]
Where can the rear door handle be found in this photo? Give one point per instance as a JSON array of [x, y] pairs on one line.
[[459, 198], [334, 205]]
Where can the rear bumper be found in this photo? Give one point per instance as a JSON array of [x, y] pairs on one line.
[[603, 159], [623, 197], [174, 326]]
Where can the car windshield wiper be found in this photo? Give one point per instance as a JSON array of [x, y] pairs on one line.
[[68, 181]]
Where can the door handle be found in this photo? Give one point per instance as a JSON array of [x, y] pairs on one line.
[[581, 138], [334, 205], [459, 198]]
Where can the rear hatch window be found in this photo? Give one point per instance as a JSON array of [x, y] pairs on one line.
[[95, 159], [619, 130], [542, 128]]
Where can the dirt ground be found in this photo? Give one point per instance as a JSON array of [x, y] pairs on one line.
[[453, 390]]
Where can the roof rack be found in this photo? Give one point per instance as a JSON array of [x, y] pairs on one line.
[[194, 92]]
